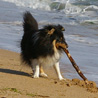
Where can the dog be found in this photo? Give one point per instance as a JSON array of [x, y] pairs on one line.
[[39, 46]]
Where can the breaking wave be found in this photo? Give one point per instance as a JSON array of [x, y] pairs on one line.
[[83, 11]]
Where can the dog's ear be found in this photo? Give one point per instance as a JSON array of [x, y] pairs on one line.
[[60, 27], [63, 29], [51, 31]]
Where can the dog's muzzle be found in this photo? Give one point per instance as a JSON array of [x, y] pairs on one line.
[[62, 45]]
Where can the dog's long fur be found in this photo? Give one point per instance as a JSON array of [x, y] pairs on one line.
[[38, 46]]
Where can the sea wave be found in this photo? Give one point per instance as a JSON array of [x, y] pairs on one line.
[[67, 5], [82, 11]]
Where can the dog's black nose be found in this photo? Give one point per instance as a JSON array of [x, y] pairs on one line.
[[66, 45]]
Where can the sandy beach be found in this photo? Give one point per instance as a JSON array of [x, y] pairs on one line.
[[16, 82]]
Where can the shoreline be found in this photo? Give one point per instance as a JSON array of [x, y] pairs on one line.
[[18, 82]]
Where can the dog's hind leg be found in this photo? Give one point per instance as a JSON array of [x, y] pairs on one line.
[[35, 67], [56, 66], [42, 73]]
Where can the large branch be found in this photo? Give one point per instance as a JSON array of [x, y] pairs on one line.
[[63, 46], [74, 64]]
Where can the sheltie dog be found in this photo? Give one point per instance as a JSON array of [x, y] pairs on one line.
[[39, 46]]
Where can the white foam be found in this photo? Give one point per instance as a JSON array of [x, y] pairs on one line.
[[91, 7], [80, 13], [71, 9], [35, 4]]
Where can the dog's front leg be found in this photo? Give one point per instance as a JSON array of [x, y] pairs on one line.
[[36, 71], [57, 68]]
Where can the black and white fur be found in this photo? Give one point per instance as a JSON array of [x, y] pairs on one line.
[[38, 46]]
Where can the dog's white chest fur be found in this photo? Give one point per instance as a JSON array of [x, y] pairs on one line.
[[47, 61], [50, 60]]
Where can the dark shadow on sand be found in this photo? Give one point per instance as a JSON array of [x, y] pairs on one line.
[[14, 72]]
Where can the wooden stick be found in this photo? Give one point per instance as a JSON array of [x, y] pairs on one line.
[[74, 64], [63, 46]]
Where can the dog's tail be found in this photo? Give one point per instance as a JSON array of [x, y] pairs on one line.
[[29, 23], [30, 26]]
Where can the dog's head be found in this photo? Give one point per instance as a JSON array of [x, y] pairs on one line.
[[55, 32]]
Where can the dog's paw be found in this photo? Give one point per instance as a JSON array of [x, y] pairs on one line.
[[62, 79], [35, 76], [43, 75]]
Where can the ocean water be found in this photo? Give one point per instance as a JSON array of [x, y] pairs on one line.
[[79, 18]]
